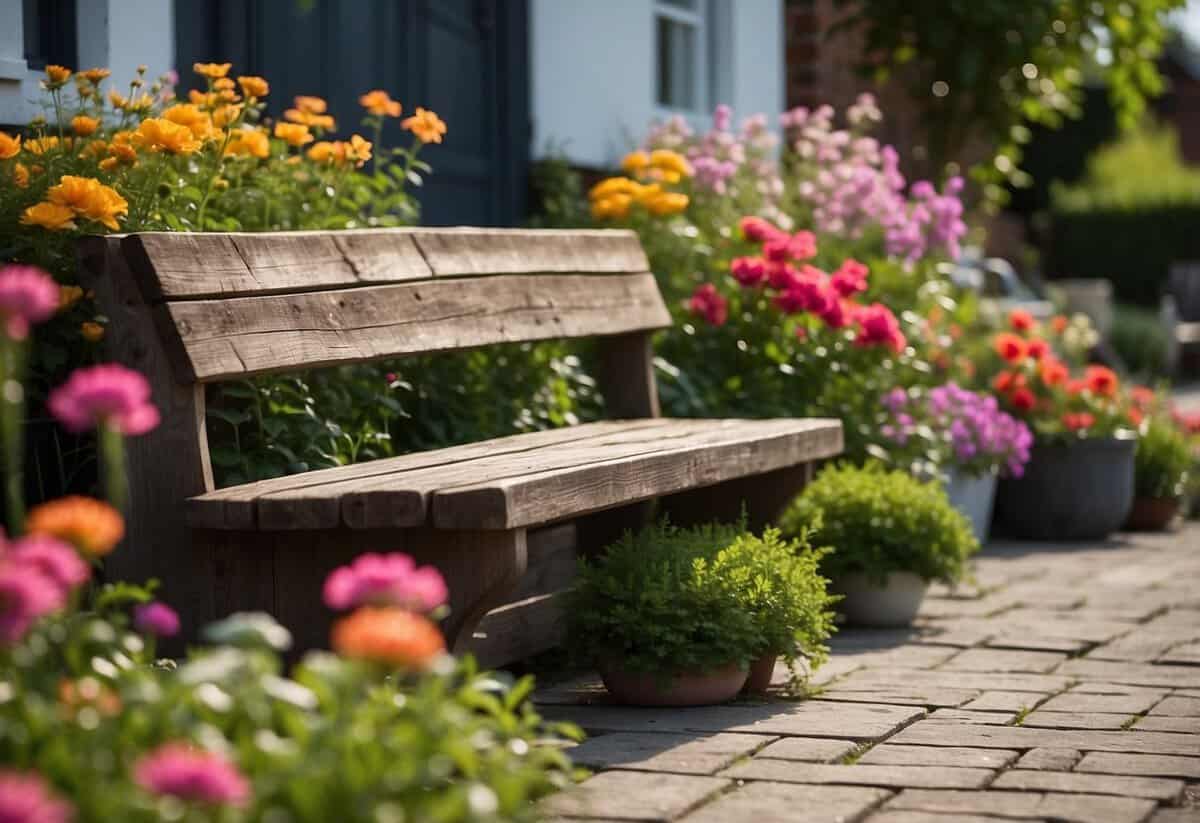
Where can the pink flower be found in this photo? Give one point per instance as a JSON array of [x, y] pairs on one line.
[[28, 295], [26, 798], [803, 245], [749, 271], [757, 230], [105, 395], [385, 580], [878, 326], [26, 595], [780, 276], [850, 278], [53, 558], [156, 618], [708, 303], [179, 770], [836, 312]]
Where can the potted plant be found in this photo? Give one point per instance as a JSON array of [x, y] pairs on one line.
[[1159, 476], [961, 436], [891, 534]]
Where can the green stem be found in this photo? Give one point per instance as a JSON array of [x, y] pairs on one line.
[[12, 414], [112, 465], [216, 171]]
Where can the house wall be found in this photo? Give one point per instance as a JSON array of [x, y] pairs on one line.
[[593, 71]]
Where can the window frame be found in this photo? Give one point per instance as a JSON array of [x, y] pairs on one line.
[[713, 20]]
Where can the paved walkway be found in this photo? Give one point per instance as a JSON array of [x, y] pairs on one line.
[[1063, 686]]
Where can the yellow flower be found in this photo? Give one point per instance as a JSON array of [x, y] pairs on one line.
[[426, 125], [613, 206], [56, 76], [96, 148], [213, 71], [203, 99], [9, 146], [294, 134], [665, 202], [68, 296], [41, 145], [83, 125], [49, 216], [254, 86], [380, 103], [108, 163], [198, 122], [133, 105], [358, 150], [324, 151], [249, 143], [91, 332], [21, 176], [310, 119], [94, 75], [222, 116], [612, 185], [310, 105], [159, 135], [89, 198], [669, 166], [635, 162]]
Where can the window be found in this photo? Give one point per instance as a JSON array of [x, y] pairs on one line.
[[681, 37], [49, 30]]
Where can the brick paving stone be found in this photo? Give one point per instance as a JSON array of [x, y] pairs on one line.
[[932, 697], [1051, 759], [896, 777], [969, 716], [1175, 816], [1147, 643], [1187, 654], [789, 803], [893, 754], [809, 749], [1187, 725], [1078, 720], [952, 634], [1154, 788], [1076, 808], [900, 816], [938, 733], [1104, 697], [1176, 706], [910, 656], [1003, 660], [1133, 674], [941, 678], [665, 751], [620, 795], [1005, 701], [855, 721], [1037, 643], [1148, 765]]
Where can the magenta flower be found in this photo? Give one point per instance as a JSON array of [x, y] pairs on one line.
[[707, 302], [878, 326], [53, 558], [385, 580], [156, 618], [179, 770], [749, 271], [26, 798], [28, 295], [26, 595], [106, 395]]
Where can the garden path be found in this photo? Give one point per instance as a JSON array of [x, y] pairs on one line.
[[1063, 685]]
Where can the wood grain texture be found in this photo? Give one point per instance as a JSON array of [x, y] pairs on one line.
[[472, 251], [626, 376], [243, 336]]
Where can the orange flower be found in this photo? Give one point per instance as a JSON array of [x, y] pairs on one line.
[[294, 134], [1020, 320], [1077, 421], [1037, 348], [94, 75], [91, 332], [20, 176], [92, 526], [41, 145], [309, 104], [198, 122], [306, 118], [254, 86], [358, 150], [68, 296], [1136, 416], [223, 115], [89, 198], [9, 146], [83, 125], [1059, 323], [1053, 372], [213, 71], [426, 125], [119, 154], [1010, 347], [380, 103], [56, 76], [1101, 380], [1023, 399], [635, 162], [50, 216], [158, 135], [390, 636], [249, 143]]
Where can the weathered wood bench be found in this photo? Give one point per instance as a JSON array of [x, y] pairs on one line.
[[192, 309], [1180, 312]]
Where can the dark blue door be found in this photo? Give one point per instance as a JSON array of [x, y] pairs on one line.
[[465, 59]]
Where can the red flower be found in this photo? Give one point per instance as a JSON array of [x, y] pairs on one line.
[[757, 230], [1053, 372], [1038, 348], [1022, 399], [850, 278], [1004, 381], [708, 303], [1081, 420], [1059, 323], [749, 271], [1020, 320], [1136, 416], [1075, 386], [1101, 380], [878, 326], [1010, 347], [1142, 396]]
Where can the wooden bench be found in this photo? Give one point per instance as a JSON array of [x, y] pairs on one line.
[[1180, 312], [496, 517]]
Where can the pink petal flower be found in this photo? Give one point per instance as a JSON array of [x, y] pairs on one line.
[[385, 580], [26, 595], [53, 558], [28, 295], [25, 797], [181, 771], [156, 618], [109, 395]]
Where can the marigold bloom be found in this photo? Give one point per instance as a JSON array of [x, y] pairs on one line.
[[156, 618], [426, 125], [1010, 347], [92, 526], [294, 134], [89, 198], [83, 125], [28, 295], [664, 203], [391, 636], [120, 154], [50, 216], [192, 117], [615, 206], [41, 145], [25, 797], [635, 162], [612, 185], [55, 559], [108, 395], [1020, 320], [56, 76], [253, 86], [179, 770], [668, 166], [213, 71], [707, 302], [385, 580], [91, 331], [159, 135], [94, 75], [9, 146], [26, 595], [249, 143], [380, 104], [1101, 380], [20, 176]]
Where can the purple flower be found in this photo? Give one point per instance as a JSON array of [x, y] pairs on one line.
[[26, 798], [385, 580], [156, 618], [181, 771]]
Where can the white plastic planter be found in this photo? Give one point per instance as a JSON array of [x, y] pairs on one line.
[[867, 604], [973, 495]]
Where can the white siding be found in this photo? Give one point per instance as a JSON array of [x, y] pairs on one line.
[[593, 70]]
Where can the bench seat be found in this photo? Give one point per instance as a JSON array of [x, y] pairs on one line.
[[522, 480]]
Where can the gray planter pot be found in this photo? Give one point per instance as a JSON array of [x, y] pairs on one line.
[[1081, 491], [973, 495], [866, 604]]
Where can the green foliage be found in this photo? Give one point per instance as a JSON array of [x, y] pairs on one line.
[[1140, 339], [1143, 168], [1162, 462], [881, 521]]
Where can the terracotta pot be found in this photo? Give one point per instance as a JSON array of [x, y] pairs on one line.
[[894, 604], [761, 671], [682, 689], [1152, 514]]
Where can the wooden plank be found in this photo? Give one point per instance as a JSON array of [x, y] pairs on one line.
[[234, 507], [573, 490], [519, 630], [256, 335], [626, 376], [472, 251]]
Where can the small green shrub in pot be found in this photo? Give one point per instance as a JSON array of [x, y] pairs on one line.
[[891, 535], [1161, 467]]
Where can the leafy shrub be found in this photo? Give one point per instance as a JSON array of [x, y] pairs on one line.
[[1163, 460], [1140, 340], [879, 521]]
